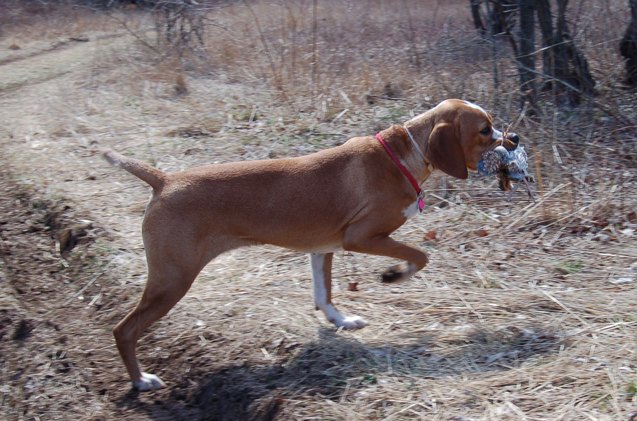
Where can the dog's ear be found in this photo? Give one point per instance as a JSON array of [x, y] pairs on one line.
[[445, 152]]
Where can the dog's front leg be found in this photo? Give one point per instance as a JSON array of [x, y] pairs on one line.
[[322, 279], [357, 239]]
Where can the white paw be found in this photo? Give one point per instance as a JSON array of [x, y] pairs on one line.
[[346, 322], [351, 322], [148, 382]]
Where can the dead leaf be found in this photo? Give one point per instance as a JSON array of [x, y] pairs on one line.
[[430, 236], [352, 286]]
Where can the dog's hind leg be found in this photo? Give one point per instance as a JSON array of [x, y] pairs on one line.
[[322, 279], [171, 272], [163, 290]]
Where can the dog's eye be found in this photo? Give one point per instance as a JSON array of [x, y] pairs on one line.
[[485, 131]]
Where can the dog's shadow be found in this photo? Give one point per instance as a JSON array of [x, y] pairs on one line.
[[337, 363]]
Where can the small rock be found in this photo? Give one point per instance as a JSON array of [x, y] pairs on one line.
[[623, 280]]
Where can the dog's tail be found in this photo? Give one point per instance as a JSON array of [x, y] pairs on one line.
[[139, 169]]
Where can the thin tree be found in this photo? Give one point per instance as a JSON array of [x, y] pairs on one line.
[[628, 46], [526, 51], [565, 70]]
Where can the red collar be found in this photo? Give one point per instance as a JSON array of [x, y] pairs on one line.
[[400, 166], [405, 171]]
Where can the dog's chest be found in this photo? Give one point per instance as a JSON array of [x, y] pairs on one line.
[[412, 210]]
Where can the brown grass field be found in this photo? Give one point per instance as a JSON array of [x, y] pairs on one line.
[[527, 311]]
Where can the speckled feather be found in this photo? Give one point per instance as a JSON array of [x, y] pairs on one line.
[[513, 164]]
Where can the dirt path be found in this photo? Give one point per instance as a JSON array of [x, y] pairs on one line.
[[46, 63], [45, 323], [55, 313]]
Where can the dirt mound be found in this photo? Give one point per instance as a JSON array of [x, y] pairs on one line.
[[43, 306]]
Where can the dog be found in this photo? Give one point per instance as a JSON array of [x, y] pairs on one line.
[[349, 197]]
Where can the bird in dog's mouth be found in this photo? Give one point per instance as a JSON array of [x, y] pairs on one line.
[[508, 166]]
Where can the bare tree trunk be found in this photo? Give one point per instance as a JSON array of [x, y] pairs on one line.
[[526, 57], [628, 46], [565, 69], [503, 16], [498, 19], [560, 66], [477, 18], [545, 19], [570, 64]]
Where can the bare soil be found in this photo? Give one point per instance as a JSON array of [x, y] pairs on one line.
[[527, 311]]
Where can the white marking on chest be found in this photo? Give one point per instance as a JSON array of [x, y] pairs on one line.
[[411, 210]]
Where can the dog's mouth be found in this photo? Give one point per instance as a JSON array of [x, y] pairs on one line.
[[508, 142]]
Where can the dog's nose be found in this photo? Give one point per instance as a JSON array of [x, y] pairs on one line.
[[514, 138]]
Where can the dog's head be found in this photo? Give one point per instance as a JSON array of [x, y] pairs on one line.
[[462, 132]]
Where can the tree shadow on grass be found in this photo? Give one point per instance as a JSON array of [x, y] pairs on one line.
[[333, 363]]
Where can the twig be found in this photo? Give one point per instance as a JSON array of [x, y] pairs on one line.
[[531, 207], [476, 209], [569, 215], [135, 34], [89, 283], [264, 42], [566, 309], [588, 96], [314, 50]]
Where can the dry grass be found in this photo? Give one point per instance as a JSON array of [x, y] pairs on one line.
[[343, 53], [526, 312]]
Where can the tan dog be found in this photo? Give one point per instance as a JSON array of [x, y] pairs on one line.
[[350, 197]]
